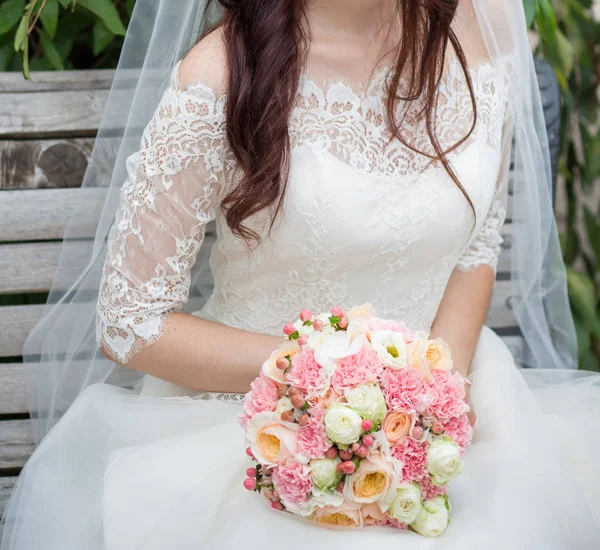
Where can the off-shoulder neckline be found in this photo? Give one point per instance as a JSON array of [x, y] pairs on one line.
[[478, 71]]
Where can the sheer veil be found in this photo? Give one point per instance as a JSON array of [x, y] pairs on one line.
[[159, 35]]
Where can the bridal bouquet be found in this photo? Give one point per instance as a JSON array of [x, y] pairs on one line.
[[356, 420]]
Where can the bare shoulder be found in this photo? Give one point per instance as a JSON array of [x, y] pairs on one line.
[[206, 63]]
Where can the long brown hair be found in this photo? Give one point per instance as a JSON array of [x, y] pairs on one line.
[[266, 44]]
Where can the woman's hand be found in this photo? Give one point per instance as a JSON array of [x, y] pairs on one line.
[[471, 414]]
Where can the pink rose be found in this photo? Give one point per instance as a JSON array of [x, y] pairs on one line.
[[344, 516]]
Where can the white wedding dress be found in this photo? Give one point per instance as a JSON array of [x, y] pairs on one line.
[[364, 220]]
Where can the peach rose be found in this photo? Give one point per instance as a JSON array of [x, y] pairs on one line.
[[346, 515], [362, 312], [372, 514], [271, 439], [437, 355], [397, 425], [269, 367], [373, 481]]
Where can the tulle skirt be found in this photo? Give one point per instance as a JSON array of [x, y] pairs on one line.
[[122, 472]]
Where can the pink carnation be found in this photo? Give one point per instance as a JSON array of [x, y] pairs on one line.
[[263, 396], [312, 438], [394, 326], [293, 483], [406, 390], [429, 490], [449, 399], [305, 372], [413, 455], [460, 430], [364, 366]]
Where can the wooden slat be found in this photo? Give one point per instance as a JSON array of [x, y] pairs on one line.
[[35, 164], [52, 114], [31, 267], [45, 81], [16, 443], [13, 388], [47, 213], [16, 322]]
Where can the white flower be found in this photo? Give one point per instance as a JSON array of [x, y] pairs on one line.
[[368, 400], [303, 330], [304, 509], [326, 498], [407, 504], [325, 475], [284, 404], [343, 424], [363, 311], [443, 460], [433, 517], [336, 346], [390, 346]]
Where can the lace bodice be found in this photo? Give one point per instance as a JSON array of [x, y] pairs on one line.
[[365, 218]]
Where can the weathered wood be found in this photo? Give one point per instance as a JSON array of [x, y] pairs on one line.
[[35, 164], [16, 443], [52, 114], [51, 81], [16, 323], [40, 215], [31, 267], [13, 387]]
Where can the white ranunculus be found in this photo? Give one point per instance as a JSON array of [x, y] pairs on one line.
[[324, 473], [336, 346], [390, 346], [364, 311], [322, 498], [433, 517], [407, 504], [443, 460], [368, 400], [343, 424]]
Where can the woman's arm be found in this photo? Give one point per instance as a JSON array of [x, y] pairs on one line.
[[171, 193], [204, 355], [462, 313]]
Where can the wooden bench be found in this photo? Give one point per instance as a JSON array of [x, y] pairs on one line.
[[47, 129]]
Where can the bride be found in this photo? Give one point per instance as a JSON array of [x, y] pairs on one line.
[[348, 151]]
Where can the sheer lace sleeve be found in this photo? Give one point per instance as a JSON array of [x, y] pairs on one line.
[[169, 197], [485, 246]]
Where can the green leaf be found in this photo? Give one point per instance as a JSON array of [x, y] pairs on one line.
[[50, 51], [106, 11], [582, 294], [21, 38], [529, 7], [584, 340], [103, 37], [49, 17], [7, 53], [130, 4], [10, 13], [66, 3], [592, 224], [566, 52]]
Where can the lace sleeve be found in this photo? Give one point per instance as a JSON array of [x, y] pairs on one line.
[[485, 246], [167, 200]]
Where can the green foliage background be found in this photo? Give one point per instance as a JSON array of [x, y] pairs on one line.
[[84, 34]]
